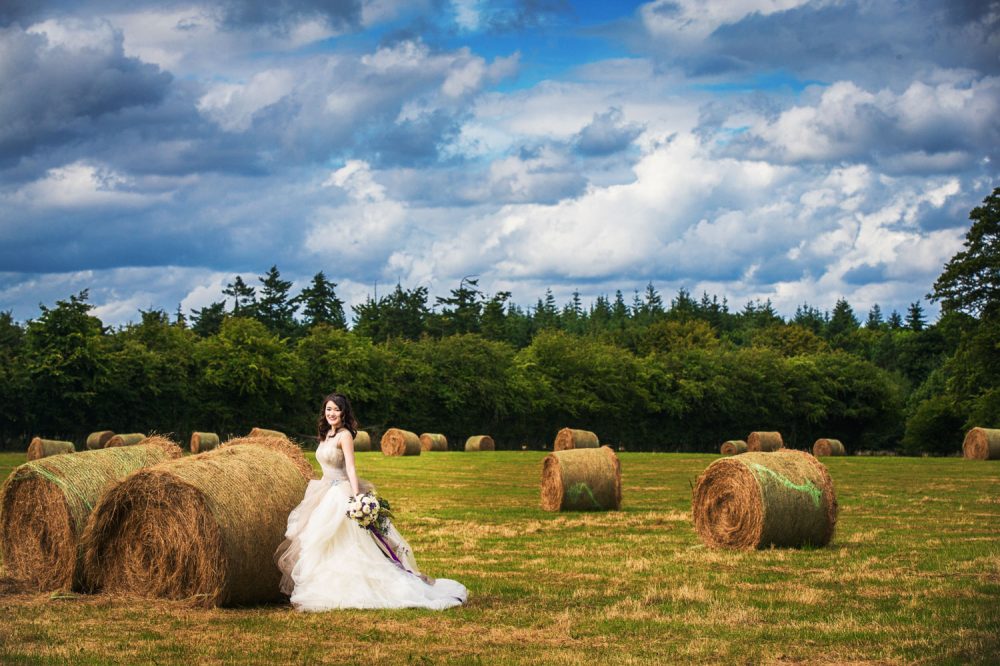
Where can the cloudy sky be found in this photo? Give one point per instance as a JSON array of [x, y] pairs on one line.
[[797, 150]]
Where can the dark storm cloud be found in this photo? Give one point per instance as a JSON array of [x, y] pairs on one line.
[[55, 95], [411, 142], [606, 134], [865, 274], [275, 15], [279, 15], [873, 41]]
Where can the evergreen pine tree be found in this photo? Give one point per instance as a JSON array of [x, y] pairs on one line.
[[320, 304]]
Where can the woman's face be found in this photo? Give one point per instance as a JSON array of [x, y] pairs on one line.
[[333, 416]]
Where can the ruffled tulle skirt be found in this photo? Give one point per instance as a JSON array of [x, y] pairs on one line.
[[329, 561]]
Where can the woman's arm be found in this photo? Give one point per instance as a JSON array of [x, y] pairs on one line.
[[347, 446]]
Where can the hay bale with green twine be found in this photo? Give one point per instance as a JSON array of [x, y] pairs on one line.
[[203, 441], [828, 447], [264, 432], [202, 528], [480, 443], [97, 440], [362, 441], [128, 439], [43, 448], [765, 441], [755, 500], [44, 505], [582, 480], [433, 441], [733, 447], [982, 444], [570, 438], [397, 442]]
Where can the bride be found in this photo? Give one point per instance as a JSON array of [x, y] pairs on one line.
[[328, 560]]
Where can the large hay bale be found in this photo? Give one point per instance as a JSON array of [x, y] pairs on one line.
[[283, 445], [480, 443], [362, 441], [97, 440], [128, 439], [203, 441], [828, 447], [756, 500], [765, 441], [44, 506], [264, 432], [396, 442], [568, 438], [43, 448], [582, 480], [982, 444], [433, 441], [202, 528], [733, 447]]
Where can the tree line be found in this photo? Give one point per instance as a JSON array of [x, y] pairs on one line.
[[645, 374]]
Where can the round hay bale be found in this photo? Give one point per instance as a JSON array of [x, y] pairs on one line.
[[982, 444], [396, 442], [129, 439], [480, 443], [281, 444], [568, 438], [44, 506], [264, 432], [756, 500], [765, 441], [43, 448], [202, 528], [97, 440], [432, 441], [362, 441], [733, 447], [582, 480], [828, 447], [203, 441]]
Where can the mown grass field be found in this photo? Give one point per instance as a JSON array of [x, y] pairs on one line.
[[911, 576]]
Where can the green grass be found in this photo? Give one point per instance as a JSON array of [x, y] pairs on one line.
[[911, 576]]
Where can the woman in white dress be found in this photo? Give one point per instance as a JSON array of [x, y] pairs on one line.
[[330, 561]]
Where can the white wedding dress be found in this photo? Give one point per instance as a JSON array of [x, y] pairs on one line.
[[329, 561]]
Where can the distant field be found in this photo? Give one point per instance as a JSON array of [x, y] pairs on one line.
[[911, 576]]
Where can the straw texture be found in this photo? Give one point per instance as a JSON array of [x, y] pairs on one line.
[[733, 447], [982, 444], [765, 441], [362, 441], [433, 441], [569, 438], [828, 447], [480, 443], [582, 480], [202, 528], [203, 441], [43, 448], [755, 500], [128, 439], [44, 506], [97, 440], [396, 442], [264, 432]]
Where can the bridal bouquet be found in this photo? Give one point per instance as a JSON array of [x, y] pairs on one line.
[[370, 511]]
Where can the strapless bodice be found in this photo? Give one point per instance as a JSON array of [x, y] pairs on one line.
[[331, 460]]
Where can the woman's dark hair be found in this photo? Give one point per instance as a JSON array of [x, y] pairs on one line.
[[346, 415]]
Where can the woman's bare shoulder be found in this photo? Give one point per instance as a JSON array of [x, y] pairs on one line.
[[344, 437]]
